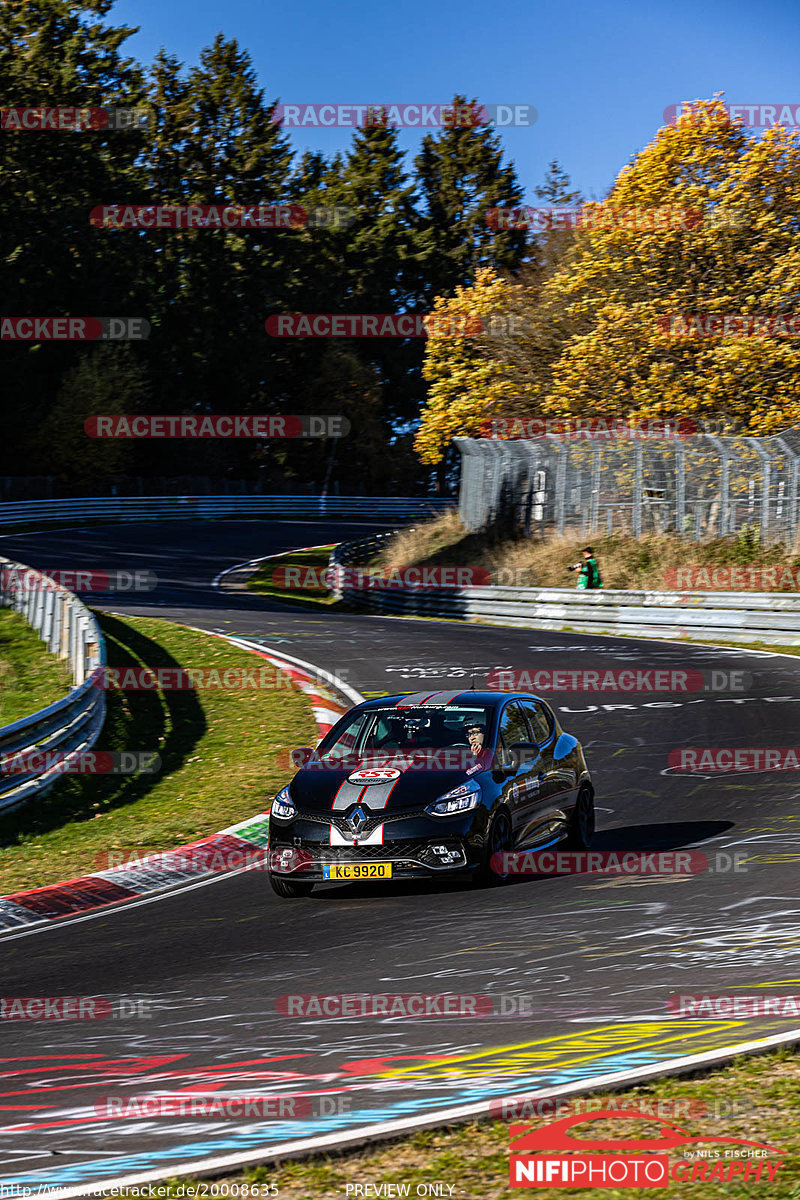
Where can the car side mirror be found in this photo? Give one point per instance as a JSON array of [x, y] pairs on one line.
[[525, 752], [506, 762], [303, 756]]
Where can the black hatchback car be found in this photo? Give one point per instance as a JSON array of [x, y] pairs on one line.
[[415, 786]]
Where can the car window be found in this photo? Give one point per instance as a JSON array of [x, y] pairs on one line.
[[347, 741], [540, 721], [396, 730], [513, 726]]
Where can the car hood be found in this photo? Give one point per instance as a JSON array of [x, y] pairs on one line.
[[402, 788]]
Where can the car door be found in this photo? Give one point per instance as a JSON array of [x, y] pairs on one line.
[[546, 818], [522, 788]]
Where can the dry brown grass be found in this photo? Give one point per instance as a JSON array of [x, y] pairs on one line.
[[625, 561]]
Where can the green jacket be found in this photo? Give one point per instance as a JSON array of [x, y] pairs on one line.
[[589, 576]]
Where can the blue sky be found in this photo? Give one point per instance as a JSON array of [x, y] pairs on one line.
[[600, 74]]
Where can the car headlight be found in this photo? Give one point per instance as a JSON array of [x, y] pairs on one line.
[[283, 808], [461, 799]]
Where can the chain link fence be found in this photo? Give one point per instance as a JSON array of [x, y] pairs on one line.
[[700, 486]]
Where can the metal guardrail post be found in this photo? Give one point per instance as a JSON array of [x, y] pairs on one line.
[[637, 490], [594, 514], [766, 484], [725, 485], [793, 486], [680, 490], [561, 488]]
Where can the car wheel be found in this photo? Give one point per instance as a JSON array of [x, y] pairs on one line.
[[581, 826], [289, 889], [498, 839]]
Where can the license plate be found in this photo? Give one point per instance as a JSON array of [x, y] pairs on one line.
[[381, 870]]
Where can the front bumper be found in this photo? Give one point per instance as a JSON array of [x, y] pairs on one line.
[[301, 857]]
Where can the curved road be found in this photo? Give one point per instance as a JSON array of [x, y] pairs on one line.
[[580, 967]]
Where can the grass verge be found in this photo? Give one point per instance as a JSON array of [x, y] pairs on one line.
[[218, 752], [755, 1098], [271, 579], [650, 562], [30, 676]]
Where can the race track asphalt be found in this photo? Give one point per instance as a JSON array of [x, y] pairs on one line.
[[595, 957]]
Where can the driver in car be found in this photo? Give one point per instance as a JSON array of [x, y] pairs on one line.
[[475, 735]]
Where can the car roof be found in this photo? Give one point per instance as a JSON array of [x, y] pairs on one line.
[[441, 699]]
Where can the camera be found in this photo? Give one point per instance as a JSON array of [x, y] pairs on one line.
[[575, 567]]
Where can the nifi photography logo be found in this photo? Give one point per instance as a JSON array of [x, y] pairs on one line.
[[632, 1162]]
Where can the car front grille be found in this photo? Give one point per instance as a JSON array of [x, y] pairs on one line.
[[373, 820], [411, 849]]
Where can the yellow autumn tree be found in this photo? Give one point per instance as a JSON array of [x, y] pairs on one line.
[[467, 381], [593, 343]]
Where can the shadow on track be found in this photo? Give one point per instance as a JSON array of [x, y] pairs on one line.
[[171, 722]]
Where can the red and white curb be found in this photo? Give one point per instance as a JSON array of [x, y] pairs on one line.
[[164, 871]]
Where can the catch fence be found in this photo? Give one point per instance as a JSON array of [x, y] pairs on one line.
[[699, 486]]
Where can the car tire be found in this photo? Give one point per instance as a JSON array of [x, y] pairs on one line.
[[498, 838], [290, 889], [581, 825]]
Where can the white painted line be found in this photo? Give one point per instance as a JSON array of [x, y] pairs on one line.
[[318, 673], [254, 562]]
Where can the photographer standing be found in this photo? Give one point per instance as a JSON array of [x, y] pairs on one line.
[[589, 571]]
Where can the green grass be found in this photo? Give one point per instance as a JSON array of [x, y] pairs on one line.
[[218, 749], [315, 559], [30, 676], [755, 1098]]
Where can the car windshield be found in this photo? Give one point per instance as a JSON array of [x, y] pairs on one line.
[[377, 732]]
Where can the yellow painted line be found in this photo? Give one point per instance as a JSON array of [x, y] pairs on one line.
[[611, 1038]]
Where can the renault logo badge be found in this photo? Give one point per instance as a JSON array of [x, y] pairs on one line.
[[357, 820]]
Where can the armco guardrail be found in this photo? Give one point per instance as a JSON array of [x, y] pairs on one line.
[[769, 617], [50, 738], [173, 508]]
